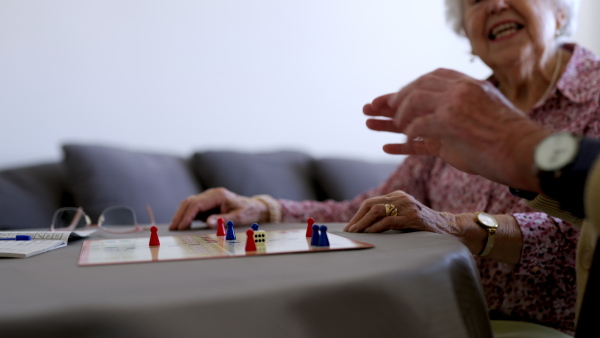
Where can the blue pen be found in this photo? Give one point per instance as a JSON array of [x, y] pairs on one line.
[[17, 238]]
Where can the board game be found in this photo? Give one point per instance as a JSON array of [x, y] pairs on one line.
[[204, 246]]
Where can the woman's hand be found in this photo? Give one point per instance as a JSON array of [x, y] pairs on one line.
[[233, 207], [371, 217], [466, 122]]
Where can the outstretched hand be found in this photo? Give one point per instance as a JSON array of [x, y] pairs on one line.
[[466, 122]]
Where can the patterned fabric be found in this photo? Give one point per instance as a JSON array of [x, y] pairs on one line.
[[541, 287]]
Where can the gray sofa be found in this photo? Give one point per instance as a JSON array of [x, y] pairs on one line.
[[97, 176]]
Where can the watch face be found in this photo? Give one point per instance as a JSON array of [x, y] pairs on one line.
[[487, 219], [556, 151]]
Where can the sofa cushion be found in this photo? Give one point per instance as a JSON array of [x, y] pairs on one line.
[[281, 174], [102, 176], [343, 179], [29, 195]]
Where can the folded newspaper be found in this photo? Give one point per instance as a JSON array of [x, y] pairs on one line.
[[41, 241]]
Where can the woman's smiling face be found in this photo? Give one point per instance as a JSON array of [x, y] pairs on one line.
[[508, 31]]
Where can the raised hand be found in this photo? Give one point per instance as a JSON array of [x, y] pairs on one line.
[[466, 122]]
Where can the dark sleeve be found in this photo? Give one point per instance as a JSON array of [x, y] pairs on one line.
[[569, 188]]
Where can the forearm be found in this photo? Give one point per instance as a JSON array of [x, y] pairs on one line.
[[325, 211], [411, 177]]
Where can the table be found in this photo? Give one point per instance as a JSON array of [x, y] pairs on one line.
[[414, 284]]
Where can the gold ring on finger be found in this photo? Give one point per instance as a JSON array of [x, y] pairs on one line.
[[390, 210]]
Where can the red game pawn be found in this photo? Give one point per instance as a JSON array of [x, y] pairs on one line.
[[221, 227], [310, 222], [250, 244], [154, 237]]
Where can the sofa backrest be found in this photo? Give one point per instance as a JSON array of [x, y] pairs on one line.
[[29, 195], [281, 174], [100, 177], [96, 177]]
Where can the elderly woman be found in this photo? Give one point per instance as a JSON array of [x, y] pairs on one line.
[[528, 271]]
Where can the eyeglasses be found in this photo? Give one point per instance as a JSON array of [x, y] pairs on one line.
[[116, 220]]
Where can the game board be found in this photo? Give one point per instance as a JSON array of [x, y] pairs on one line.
[[203, 246]]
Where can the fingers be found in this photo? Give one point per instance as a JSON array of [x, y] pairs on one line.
[[364, 208], [430, 127], [417, 103], [191, 206], [212, 220], [379, 107], [374, 216], [365, 217], [181, 220], [375, 220], [419, 98], [423, 96], [236, 215], [399, 149], [414, 147], [388, 223], [373, 209], [437, 81], [382, 125]]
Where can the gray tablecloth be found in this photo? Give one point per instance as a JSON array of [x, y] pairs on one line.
[[410, 285]]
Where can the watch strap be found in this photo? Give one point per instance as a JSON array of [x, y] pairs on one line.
[[568, 188], [489, 243], [528, 195], [491, 231]]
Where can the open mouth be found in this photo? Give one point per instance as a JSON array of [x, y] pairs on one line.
[[504, 29]]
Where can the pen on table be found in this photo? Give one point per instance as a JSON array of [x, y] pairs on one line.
[[17, 238]]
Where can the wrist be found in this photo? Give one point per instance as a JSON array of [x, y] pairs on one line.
[[508, 240], [563, 161], [473, 235], [522, 154], [272, 211], [490, 224]]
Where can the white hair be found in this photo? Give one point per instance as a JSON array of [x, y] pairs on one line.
[[454, 16]]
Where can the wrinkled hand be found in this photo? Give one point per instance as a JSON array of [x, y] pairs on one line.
[[411, 215], [466, 122], [233, 207]]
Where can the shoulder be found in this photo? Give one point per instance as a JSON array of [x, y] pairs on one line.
[[580, 81]]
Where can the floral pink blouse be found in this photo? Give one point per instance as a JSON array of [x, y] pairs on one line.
[[541, 288]]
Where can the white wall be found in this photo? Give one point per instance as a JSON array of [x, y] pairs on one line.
[[184, 75], [589, 25]]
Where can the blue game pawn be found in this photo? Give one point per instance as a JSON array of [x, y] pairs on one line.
[[314, 240], [230, 232], [323, 240], [254, 226]]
